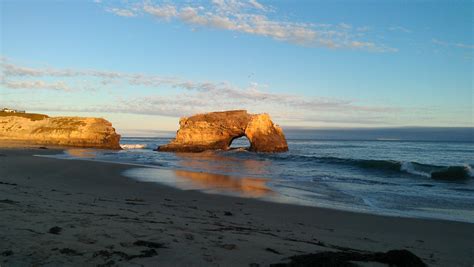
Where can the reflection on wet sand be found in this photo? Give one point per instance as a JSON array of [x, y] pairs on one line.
[[247, 186], [81, 152], [215, 162], [206, 179]]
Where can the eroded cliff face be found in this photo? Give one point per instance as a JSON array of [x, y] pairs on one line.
[[216, 130], [61, 131]]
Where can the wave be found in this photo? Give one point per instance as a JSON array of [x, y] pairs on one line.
[[418, 169], [436, 172], [449, 173], [133, 146], [452, 172]]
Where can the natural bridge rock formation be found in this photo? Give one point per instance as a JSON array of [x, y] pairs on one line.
[[217, 130], [60, 131]]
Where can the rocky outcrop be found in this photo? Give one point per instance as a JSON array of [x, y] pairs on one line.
[[59, 131], [217, 130]]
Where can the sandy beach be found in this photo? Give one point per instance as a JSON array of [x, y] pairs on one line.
[[82, 213]]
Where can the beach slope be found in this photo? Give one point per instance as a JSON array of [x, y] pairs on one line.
[[72, 212]]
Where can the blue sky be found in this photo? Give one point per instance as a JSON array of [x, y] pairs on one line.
[[143, 64]]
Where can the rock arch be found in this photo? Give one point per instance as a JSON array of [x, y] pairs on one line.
[[237, 139], [216, 130]]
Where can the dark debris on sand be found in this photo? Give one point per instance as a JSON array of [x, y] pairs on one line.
[[345, 259], [55, 230], [6, 183], [272, 251], [144, 254], [9, 201], [229, 246], [149, 244], [7, 253], [134, 200]]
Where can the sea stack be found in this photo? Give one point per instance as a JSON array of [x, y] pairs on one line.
[[39, 129], [217, 130]]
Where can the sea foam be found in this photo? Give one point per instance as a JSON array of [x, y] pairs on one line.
[[133, 146]]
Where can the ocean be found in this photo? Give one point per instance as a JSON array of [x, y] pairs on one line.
[[409, 172]]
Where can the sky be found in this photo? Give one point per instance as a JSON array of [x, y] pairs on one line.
[[309, 64]]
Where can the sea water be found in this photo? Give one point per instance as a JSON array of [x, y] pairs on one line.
[[409, 173]]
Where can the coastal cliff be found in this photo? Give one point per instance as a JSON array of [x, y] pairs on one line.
[[217, 130], [61, 131]]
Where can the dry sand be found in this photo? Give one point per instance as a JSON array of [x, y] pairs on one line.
[[81, 213]]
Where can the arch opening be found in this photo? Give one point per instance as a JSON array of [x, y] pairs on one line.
[[239, 142]]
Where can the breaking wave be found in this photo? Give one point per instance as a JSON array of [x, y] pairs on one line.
[[134, 146], [436, 172]]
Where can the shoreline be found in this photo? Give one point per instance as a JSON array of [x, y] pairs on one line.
[[293, 201], [98, 209]]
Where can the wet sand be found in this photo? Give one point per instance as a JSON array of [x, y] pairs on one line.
[[82, 213]]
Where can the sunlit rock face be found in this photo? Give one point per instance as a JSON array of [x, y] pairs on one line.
[[216, 130], [60, 131]]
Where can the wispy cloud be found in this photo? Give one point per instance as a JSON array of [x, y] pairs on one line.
[[399, 29], [164, 12], [450, 44], [257, 5], [176, 96], [252, 17], [122, 12], [61, 86]]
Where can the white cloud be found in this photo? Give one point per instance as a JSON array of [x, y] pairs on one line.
[[251, 17], [461, 45], [345, 26], [257, 5], [165, 12], [363, 29], [38, 84], [122, 12], [448, 44], [175, 96]]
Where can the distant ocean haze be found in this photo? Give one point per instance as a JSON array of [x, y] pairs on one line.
[[461, 134]]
